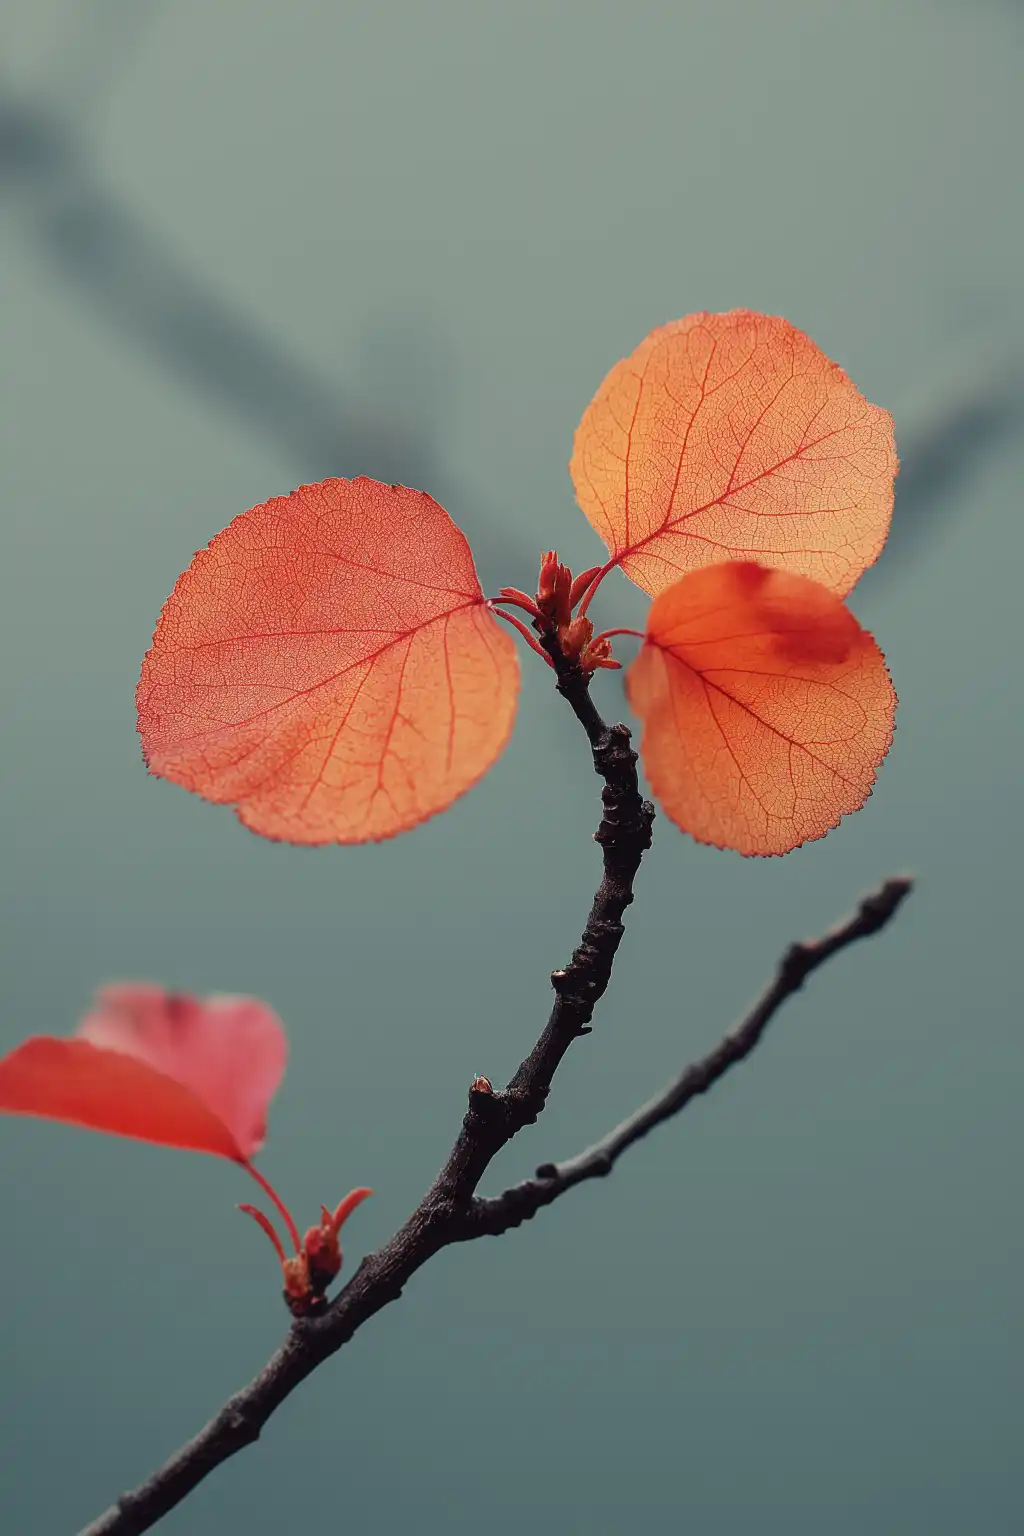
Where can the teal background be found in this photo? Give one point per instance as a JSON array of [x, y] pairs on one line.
[[246, 244]]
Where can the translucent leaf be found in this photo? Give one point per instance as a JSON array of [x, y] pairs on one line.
[[733, 437], [766, 708], [158, 1066], [329, 666]]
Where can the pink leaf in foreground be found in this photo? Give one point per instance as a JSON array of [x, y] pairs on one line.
[[159, 1066]]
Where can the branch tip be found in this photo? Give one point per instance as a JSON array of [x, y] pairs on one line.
[[522, 1201]]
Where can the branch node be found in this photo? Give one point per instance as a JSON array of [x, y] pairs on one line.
[[878, 908], [795, 964], [605, 928], [236, 1423]]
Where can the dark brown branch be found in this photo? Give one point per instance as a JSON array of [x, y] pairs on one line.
[[451, 1212], [522, 1201], [446, 1213]]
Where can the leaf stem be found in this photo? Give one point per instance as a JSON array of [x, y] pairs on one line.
[[267, 1226], [272, 1194], [592, 588], [531, 640]]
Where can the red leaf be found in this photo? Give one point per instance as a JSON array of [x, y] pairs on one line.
[[733, 437], [158, 1066], [329, 665], [766, 707]]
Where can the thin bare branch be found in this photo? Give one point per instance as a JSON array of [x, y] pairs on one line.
[[445, 1215], [518, 1203]]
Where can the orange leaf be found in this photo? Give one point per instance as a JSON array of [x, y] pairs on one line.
[[329, 665], [766, 707], [733, 437], [157, 1066]]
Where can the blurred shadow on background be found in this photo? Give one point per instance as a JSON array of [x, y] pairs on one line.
[[943, 438], [388, 425]]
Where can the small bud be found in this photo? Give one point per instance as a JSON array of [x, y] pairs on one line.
[[581, 584], [481, 1085], [575, 637], [298, 1293], [553, 587], [599, 654], [323, 1254], [548, 571], [309, 1272]]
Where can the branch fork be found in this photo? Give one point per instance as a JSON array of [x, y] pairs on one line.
[[452, 1211]]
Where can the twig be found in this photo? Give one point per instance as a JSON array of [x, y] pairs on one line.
[[521, 1201], [451, 1212], [445, 1215]]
